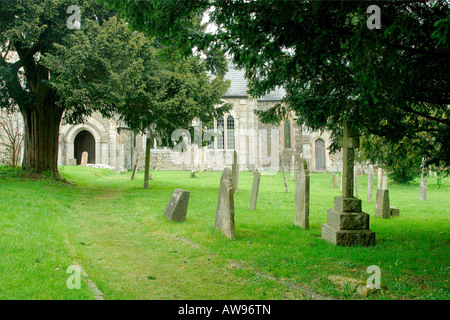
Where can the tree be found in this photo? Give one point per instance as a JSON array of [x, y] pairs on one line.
[[402, 161], [11, 138], [392, 82], [103, 66]]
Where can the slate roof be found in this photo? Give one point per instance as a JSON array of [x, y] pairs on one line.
[[238, 86]]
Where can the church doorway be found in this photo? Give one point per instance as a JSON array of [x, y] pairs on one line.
[[84, 141], [320, 155]]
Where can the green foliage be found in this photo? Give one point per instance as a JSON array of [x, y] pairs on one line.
[[402, 160], [392, 82]]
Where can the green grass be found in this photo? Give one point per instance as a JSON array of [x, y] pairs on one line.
[[117, 231]]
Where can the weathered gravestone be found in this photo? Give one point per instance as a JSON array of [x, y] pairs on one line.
[[292, 167], [302, 196], [382, 208], [370, 184], [283, 171], [235, 171], [84, 159], [346, 224], [334, 180], [423, 183], [255, 188], [136, 164], [385, 180], [225, 205], [176, 209], [395, 212]]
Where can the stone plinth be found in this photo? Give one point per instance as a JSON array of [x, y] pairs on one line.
[[347, 225], [382, 208]]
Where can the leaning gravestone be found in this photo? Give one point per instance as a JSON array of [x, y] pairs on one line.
[[382, 208], [176, 209], [225, 205], [346, 224], [255, 189], [302, 197], [235, 171], [84, 158]]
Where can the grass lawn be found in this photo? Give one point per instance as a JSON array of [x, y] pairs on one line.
[[118, 233]]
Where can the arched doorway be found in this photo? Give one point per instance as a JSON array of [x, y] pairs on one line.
[[84, 141], [320, 155]]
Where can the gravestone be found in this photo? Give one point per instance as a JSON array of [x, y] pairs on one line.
[[72, 162], [225, 205], [136, 164], [382, 208], [380, 178], [176, 209], [302, 196], [292, 167], [235, 171], [385, 180], [255, 189], [423, 183], [334, 180], [346, 224], [283, 171], [370, 184], [84, 159], [394, 211]]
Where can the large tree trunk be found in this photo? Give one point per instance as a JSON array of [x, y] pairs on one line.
[[41, 137]]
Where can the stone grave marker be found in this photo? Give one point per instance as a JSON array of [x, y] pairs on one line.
[[334, 180], [292, 167], [84, 159], [423, 183], [225, 205], [395, 212], [302, 196], [385, 180], [136, 164], [382, 208], [176, 209], [235, 171], [283, 171], [370, 184], [346, 224], [255, 189]]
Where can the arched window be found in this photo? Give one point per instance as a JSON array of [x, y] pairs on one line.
[[220, 134], [210, 132], [287, 134], [230, 133], [320, 155]]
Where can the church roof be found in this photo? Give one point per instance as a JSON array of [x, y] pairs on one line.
[[238, 86]]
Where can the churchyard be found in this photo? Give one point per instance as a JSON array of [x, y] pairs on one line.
[[124, 239]]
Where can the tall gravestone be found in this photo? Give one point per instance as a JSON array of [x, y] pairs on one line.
[[283, 171], [292, 167], [334, 180], [423, 183], [255, 188], [225, 205], [385, 180], [176, 209], [380, 178], [235, 171], [382, 208], [346, 224], [84, 159], [370, 184], [302, 196]]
